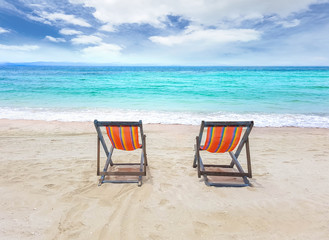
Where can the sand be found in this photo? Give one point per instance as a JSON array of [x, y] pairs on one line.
[[48, 187]]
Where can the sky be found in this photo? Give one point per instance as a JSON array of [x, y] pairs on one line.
[[171, 32]]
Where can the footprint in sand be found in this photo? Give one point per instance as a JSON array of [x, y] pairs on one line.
[[164, 202], [51, 186], [200, 228], [159, 227]]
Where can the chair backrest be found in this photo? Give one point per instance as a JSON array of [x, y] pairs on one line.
[[223, 136], [123, 137], [222, 139]]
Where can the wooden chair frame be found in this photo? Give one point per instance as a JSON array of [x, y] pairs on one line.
[[234, 156], [100, 140]]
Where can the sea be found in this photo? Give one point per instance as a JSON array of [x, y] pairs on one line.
[[270, 96]]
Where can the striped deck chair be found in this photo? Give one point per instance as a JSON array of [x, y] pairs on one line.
[[122, 136], [224, 137]]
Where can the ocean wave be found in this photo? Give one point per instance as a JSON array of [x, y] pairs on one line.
[[163, 117]]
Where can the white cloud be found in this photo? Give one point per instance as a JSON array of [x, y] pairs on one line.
[[53, 39], [67, 31], [18, 47], [68, 18], [104, 47], [289, 24], [2, 30], [108, 28], [116, 12], [6, 5], [209, 36], [47, 53], [38, 19], [86, 39], [202, 12], [102, 53]]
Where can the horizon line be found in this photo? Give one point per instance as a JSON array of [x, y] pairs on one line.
[[40, 63]]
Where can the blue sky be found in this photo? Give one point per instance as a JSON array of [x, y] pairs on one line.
[[172, 32]]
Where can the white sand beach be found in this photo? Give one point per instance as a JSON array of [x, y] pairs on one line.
[[48, 187]]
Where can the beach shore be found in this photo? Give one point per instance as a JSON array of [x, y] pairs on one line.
[[48, 187]]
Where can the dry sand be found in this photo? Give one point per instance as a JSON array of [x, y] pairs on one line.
[[48, 187]]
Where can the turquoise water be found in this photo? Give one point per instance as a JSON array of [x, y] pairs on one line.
[[272, 96]]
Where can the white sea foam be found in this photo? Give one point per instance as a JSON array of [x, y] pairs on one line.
[[162, 117]]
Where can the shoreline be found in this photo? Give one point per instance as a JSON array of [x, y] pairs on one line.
[[59, 122], [261, 119], [49, 187]]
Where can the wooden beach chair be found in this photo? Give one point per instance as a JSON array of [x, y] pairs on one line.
[[122, 136], [224, 137]]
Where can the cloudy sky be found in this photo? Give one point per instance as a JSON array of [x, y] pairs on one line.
[[171, 32]]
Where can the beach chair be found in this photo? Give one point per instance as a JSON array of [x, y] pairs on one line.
[[122, 136], [224, 137]]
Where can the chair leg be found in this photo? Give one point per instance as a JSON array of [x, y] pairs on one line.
[[195, 150], [246, 181], [108, 162], [142, 168], [248, 159], [140, 181], [144, 150], [199, 166]]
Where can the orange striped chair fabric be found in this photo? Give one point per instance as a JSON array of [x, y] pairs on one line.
[[222, 139], [124, 137]]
